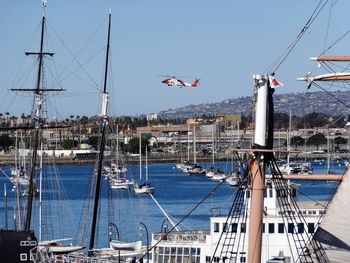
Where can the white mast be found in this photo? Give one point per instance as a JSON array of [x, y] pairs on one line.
[[194, 144], [188, 142], [40, 192], [18, 196], [212, 144], [146, 166], [288, 139], [140, 155], [117, 146]]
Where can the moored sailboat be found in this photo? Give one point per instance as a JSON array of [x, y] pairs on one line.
[[146, 187]]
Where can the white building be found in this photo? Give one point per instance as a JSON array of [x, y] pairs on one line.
[[152, 116], [278, 235]]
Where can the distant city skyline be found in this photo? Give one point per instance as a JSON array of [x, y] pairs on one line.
[[221, 42]]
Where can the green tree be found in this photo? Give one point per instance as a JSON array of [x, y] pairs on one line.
[[5, 141], [133, 145], [297, 141], [93, 141], [281, 120], [340, 140], [68, 144], [317, 140], [313, 119]]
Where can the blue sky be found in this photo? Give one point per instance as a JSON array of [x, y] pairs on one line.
[[222, 42]]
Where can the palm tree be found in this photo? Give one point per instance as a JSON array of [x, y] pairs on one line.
[[7, 117]]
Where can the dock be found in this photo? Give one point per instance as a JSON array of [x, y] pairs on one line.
[[316, 177]]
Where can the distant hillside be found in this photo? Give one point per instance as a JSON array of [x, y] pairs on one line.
[[299, 103]]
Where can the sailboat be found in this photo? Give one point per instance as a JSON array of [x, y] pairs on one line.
[[146, 187], [185, 165], [115, 168], [118, 174], [214, 173], [19, 173], [195, 169]]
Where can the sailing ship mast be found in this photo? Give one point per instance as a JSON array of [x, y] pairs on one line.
[[104, 123], [263, 140], [37, 116], [335, 76]]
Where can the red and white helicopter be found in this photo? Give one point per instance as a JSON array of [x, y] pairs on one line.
[[173, 81]]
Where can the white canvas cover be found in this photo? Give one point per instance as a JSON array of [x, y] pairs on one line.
[[334, 230]]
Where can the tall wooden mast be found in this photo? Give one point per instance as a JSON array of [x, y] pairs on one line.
[[262, 140], [37, 123], [38, 91], [104, 122]]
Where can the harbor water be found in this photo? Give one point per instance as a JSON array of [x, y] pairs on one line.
[[65, 206]]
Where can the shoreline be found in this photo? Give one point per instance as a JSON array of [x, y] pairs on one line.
[[9, 160]]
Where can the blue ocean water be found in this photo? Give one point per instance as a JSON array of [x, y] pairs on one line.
[[176, 192]]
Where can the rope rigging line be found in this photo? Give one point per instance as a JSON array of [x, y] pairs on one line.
[[328, 24], [335, 42], [330, 94], [232, 222], [74, 57], [274, 67], [178, 223], [291, 214]]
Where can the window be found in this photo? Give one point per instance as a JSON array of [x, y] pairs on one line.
[[271, 192], [290, 228], [280, 228], [311, 228], [263, 227], [271, 228], [33, 243], [23, 256], [233, 258], [224, 227], [265, 193], [234, 227], [216, 227], [300, 228], [207, 259], [243, 259], [243, 228], [248, 193]]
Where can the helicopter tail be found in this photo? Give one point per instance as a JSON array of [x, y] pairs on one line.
[[195, 83]]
